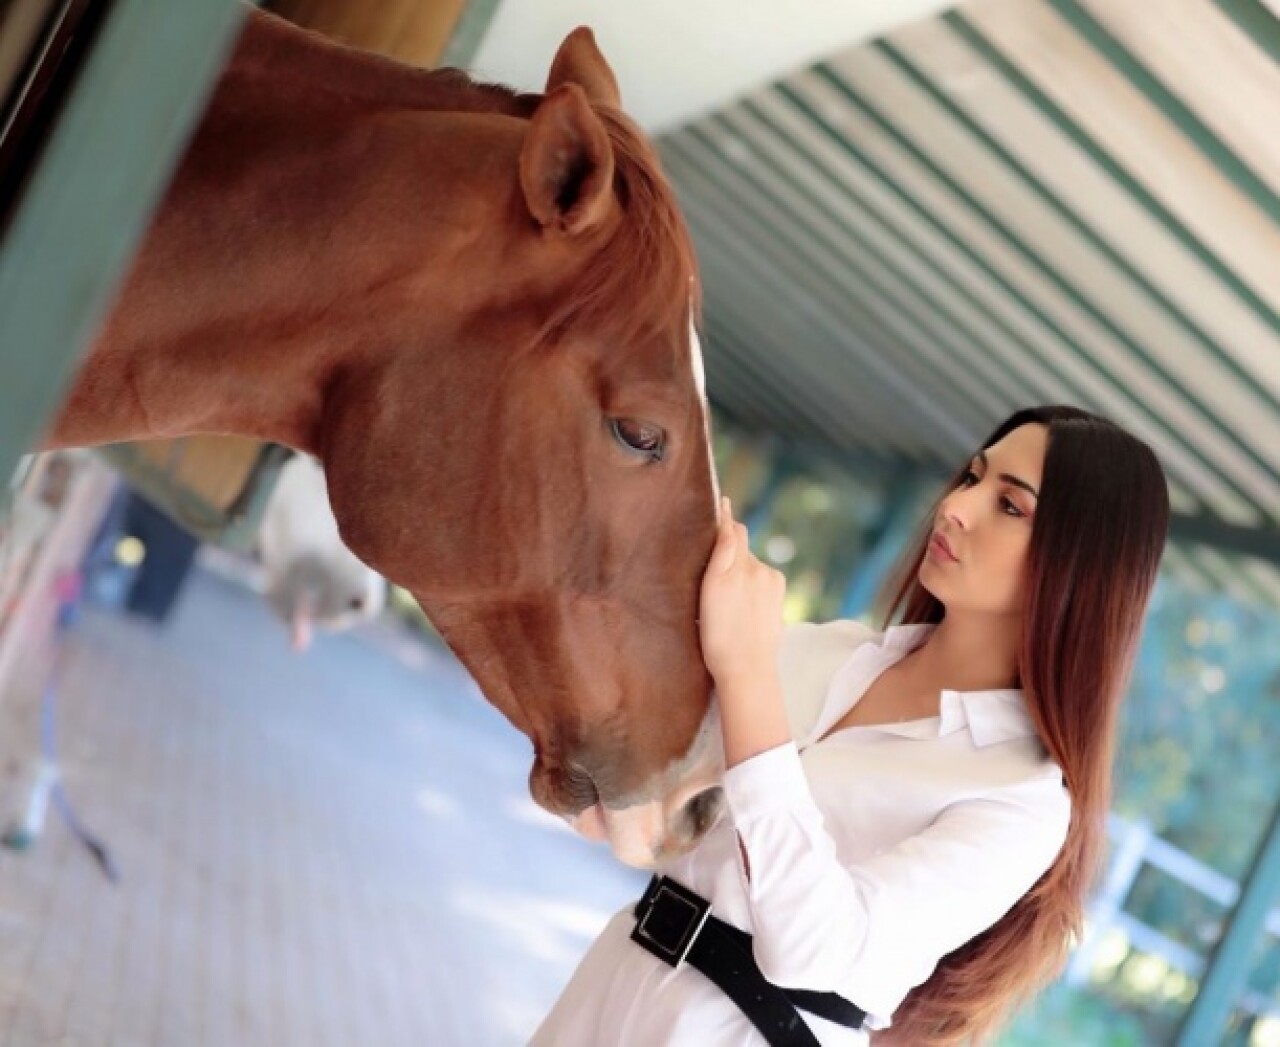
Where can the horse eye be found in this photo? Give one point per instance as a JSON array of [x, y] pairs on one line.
[[640, 437]]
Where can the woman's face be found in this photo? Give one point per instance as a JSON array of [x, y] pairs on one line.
[[986, 520]]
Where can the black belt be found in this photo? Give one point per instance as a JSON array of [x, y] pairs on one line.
[[676, 925]]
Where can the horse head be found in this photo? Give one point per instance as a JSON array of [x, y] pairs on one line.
[[533, 462]]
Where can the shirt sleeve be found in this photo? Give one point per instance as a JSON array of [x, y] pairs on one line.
[[874, 929]]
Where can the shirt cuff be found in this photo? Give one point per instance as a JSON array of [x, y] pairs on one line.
[[767, 783]]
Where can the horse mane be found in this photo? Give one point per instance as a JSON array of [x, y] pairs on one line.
[[484, 97], [643, 280], [272, 47]]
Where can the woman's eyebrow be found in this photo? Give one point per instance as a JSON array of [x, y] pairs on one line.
[[982, 457]]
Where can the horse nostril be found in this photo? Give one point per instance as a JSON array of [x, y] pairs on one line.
[[701, 812], [560, 789]]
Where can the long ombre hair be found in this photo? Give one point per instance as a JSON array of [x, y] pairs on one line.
[[1097, 537]]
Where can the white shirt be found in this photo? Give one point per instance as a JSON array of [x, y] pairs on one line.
[[873, 853]]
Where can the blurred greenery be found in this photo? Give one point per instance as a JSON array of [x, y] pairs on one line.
[[1061, 1016]]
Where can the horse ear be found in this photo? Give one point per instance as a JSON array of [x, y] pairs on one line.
[[566, 163], [580, 62]]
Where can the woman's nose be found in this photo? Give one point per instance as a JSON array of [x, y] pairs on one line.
[[956, 510]]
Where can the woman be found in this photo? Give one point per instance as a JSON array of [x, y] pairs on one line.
[[913, 816]]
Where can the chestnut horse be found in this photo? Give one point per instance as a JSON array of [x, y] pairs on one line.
[[475, 307]]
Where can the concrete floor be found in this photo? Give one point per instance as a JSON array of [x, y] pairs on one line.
[[336, 848]]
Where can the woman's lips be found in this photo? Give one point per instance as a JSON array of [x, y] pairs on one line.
[[939, 547]]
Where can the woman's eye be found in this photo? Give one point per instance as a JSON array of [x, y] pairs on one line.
[[1007, 505], [640, 437]]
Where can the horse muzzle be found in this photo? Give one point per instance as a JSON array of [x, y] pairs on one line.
[[646, 833]]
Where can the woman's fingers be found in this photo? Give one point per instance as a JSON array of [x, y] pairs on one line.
[[732, 540], [725, 551]]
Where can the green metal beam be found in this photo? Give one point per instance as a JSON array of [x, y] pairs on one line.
[[1203, 528], [1262, 541], [793, 381], [1174, 109], [90, 197], [1258, 21], [1227, 972], [1232, 577]]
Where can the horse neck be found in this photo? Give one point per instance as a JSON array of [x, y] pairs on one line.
[[221, 324]]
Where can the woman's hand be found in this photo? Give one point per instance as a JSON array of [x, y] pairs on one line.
[[741, 609], [741, 629]]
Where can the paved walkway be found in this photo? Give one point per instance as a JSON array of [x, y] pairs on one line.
[[329, 849]]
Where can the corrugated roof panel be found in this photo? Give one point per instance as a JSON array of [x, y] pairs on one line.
[[1024, 267], [1188, 573], [843, 348], [779, 131], [1132, 128], [877, 258], [852, 291], [1219, 72], [1230, 576], [1009, 204], [1118, 277], [1070, 167]]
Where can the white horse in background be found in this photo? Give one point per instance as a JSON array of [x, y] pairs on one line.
[[311, 579]]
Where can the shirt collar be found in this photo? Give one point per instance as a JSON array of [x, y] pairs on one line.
[[992, 716]]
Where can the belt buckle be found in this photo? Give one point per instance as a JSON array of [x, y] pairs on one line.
[[669, 919]]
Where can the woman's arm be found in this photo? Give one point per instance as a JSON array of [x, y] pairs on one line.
[[741, 630], [872, 929], [753, 718]]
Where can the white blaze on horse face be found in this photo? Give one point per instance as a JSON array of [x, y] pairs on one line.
[[700, 381], [699, 370]]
